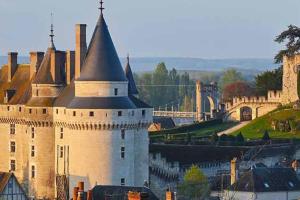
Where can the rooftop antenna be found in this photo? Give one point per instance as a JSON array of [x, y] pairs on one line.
[[101, 6], [52, 33]]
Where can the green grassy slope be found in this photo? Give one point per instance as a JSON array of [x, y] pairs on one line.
[[256, 128]]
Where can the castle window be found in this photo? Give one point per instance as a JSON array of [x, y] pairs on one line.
[[37, 93], [122, 181], [57, 111], [32, 171], [123, 134], [32, 151], [32, 133], [61, 133], [20, 109], [8, 108], [143, 113], [91, 114], [61, 152], [116, 91], [64, 111], [12, 147], [30, 111], [119, 113], [123, 152], [12, 129], [74, 113], [44, 111], [12, 165], [132, 113]]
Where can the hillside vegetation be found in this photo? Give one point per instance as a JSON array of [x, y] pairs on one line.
[[281, 123]]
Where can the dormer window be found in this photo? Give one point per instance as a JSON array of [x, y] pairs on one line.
[[116, 91]]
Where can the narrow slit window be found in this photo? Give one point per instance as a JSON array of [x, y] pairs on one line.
[[32, 171], [12, 147], [13, 165]]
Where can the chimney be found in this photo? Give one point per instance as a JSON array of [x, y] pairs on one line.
[[36, 59], [233, 171], [70, 66], [57, 65], [81, 48], [12, 65], [75, 193]]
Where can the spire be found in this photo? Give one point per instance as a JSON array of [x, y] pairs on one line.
[[102, 62], [52, 46], [101, 8], [132, 90]]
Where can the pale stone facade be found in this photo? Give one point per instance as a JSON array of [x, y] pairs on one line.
[[58, 122]]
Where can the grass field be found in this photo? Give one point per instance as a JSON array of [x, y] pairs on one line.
[[256, 128]]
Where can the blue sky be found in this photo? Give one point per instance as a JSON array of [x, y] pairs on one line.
[[156, 28]]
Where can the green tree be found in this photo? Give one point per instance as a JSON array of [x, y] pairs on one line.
[[159, 79], [195, 185], [269, 80], [230, 76], [292, 46], [266, 136]]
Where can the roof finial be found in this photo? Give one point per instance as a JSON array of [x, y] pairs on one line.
[[101, 6], [52, 33], [128, 58]]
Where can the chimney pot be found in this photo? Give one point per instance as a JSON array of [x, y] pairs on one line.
[[12, 65], [36, 59], [81, 48]]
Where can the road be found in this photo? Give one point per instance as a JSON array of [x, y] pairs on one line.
[[235, 128]]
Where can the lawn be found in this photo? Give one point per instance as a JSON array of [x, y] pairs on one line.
[[256, 128]]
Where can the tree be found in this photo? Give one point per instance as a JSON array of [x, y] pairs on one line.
[[292, 36], [236, 89], [160, 78], [240, 137], [195, 185], [230, 76], [269, 80], [266, 136]]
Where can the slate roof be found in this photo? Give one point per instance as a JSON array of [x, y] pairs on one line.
[[267, 180], [102, 62], [4, 178], [132, 90], [165, 122], [120, 192]]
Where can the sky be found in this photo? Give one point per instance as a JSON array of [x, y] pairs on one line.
[[209, 29]]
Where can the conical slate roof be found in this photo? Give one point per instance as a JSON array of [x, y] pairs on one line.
[[43, 75], [102, 62], [132, 90]]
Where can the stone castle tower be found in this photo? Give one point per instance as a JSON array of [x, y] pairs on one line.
[[73, 115]]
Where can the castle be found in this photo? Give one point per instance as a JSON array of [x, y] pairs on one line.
[[72, 116]]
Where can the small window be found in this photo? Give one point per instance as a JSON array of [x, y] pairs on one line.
[[91, 114], [61, 133], [12, 147], [37, 93], [12, 165], [123, 152], [32, 133], [116, 91], [12, 129], [143, 113], [74, 113], [32, 171], [61, 152], [123, 134], [44, 111], [30, 111], [64, 111], [32, 151], [8, 108], [122, 181], [132, 113], [56, 111], [20, 109], [119, 113]]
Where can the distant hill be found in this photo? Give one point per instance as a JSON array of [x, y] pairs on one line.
[[189, 64]]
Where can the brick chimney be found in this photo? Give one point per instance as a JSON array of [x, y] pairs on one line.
[[57, 65], [12, 65], [70, 66], [233, 171], [81, 48], [36, 59]]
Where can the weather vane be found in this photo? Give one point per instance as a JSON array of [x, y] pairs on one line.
[[52, 28], [101, 6]]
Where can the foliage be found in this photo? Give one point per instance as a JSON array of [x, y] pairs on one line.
[[292, 46], [195, 185], [269, 80], [266, 136], [237, 89], [230, 76]]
